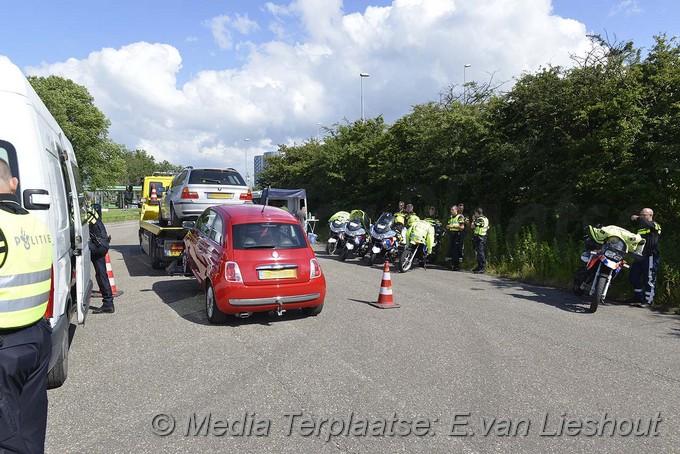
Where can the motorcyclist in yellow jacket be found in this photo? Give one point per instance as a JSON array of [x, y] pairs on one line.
[[421, 232]]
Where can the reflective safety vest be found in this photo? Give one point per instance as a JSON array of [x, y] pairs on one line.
[[25, 269], [456, 223], [647, 231], [481, 226]]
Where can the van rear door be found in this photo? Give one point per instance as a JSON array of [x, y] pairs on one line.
[[81, 235]]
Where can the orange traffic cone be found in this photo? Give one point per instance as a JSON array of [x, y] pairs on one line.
[[385, 298], [112, 281], [154, 196]]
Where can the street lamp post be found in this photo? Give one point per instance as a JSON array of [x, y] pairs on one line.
[[361, 76], [246, 140], [318, 125], [464, 82]]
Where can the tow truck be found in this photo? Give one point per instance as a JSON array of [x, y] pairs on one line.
[[162, 244]]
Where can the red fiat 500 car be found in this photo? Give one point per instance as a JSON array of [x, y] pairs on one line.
[[253, 258]]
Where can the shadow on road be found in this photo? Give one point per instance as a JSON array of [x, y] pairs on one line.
[[135, 260], [187, 299], [556, 298]]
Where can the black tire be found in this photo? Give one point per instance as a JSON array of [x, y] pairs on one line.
[[331, 248], [174, 220], [215, 315], [157, 263], [57, 375], [312, 311], [345, 253], [406, 260], [599, 295], [375, 259]]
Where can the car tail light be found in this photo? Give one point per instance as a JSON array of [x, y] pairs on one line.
[[50, 302], [173, 248], [246, 196], [232, 273], [314, 269], [189, 195]]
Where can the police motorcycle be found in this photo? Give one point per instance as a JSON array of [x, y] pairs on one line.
[[603, 259], [357, 241], [336, 235], [386, 239], [414, 251]]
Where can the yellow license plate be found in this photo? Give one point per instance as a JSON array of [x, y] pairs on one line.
[[175, 253], [219, 195], [278, 274]]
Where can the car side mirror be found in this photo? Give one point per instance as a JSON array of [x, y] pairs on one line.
[[188, 224]]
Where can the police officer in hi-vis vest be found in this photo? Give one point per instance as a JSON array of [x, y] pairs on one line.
[[25, 335], [455, 227], [481, 226]]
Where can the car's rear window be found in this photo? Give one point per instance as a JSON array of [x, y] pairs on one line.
[[268, 235], [216, 177]]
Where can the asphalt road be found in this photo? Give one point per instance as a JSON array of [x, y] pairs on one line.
[[520, 368]]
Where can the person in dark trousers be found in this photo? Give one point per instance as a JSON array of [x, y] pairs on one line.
[[643, 271], [466, 225], [25, 335], [455, 227], [99, 247], [481, 224], [127, 197]]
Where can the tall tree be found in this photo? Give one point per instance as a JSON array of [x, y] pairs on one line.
[[85, 126]]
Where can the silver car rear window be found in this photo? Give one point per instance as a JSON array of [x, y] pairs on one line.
[[268, 235], [216, 177]]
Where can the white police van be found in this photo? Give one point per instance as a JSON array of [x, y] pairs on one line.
[[42, 158]]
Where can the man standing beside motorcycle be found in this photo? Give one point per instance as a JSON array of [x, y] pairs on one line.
[[402, 210], [455, 227], [647, 265], [409, 211], [481, 224]]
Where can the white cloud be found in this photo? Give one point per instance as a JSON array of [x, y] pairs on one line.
[[244, 25], [626, 7], [221, 26], [411, 48], [220, 32]]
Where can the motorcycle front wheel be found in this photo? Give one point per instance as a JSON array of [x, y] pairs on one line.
[[345, 253], [599, 295], [331, 248], [406, 260]]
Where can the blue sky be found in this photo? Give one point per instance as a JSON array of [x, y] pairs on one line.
[[189, 80]]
